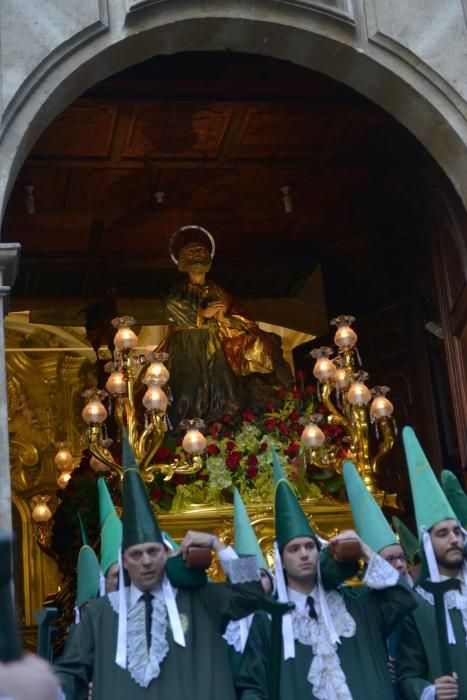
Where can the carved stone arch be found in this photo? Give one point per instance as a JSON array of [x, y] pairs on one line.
[[347, 41]]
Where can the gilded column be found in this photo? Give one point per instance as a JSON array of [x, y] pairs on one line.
[[9, 256]]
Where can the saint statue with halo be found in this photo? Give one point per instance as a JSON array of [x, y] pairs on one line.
[[220, 361]]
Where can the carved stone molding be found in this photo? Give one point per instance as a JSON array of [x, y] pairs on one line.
[[49, 43], [339, 9]]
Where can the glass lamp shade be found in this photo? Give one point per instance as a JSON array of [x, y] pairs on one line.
[[63, 459], [345, 337], [194, 442], [381, 407], [358, 394], [94, 412], [157, 373], [125, 339], [116, 383], [324, 369], [41, 512], [312, 436], [341, 378], [63, 479], [155, 399]]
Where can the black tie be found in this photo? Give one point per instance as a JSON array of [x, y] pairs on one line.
[[147, 597], [311, 608]]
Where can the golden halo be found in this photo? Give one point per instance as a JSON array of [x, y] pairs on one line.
[[173, 238]]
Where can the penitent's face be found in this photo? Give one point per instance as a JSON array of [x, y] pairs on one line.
[[300, 560], [145, 564], [395, 555], [448, 545], [111, 578]]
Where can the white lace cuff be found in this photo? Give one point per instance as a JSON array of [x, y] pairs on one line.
[[225, 556], [242, 570], [60, 695], [380, 574], [429, 693]]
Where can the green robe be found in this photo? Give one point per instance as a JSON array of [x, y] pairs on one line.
[[363, 657], [199, 671], [419, 651]]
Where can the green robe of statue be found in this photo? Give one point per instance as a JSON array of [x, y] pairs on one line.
[[199, 671], [419, 648], [362, 651]]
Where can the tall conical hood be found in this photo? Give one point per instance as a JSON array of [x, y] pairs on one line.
[[88, 570], [455, 495], [408, 541], [139, 522], [291, 521], [246, 543], [111, 528], [431, 505], [369, 520]]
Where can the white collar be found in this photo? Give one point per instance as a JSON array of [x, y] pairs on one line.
[[300, 599], [136, 593]]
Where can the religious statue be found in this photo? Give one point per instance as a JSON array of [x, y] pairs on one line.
[[220, 361]]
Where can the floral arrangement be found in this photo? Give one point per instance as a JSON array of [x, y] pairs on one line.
[[238, 453]]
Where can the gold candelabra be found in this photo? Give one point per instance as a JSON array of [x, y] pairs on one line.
[[145, 440], [343, 392]]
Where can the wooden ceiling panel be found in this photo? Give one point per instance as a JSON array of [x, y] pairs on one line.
[[287, 131], [143, 233], [85, 129], [107, 189], [177, 130], [49, 189], [49, 234], [216, 190]]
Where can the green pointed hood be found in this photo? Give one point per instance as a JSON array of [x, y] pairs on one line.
[[455, 495], [291, 521], [88, 571], [369, 520], [111, 528], [139, 522], [431, 505], [407, 539], [246, 543]]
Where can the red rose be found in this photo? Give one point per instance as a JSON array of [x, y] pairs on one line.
[[214, 428], [226, 418], [156, 494], [263, 447], [269, 406], [341, 453], [252, 461], [233, 460], [230, 445], [248, 416], [281, 392], [292, 450], [310, 389], [283, 429], [296, 393], [212, 449], [252, 472], [270, 424], [203, 476], [299, 374], [178, 479], [162, 454], [294, 416]]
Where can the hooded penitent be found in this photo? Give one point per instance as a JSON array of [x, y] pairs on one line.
[[111, 528], [245, 542], [455, 495], [88, 571], [369, 519]]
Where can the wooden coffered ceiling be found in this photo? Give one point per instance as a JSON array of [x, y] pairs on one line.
[[219, 135]]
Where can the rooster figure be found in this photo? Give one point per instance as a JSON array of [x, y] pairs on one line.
[[98, 322]]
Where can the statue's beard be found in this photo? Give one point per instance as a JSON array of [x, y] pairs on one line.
[[196, 267]]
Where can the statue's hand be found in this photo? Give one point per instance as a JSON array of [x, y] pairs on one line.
[[213, 309]]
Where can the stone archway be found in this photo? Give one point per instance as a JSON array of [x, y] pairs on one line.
[[360, 49]]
